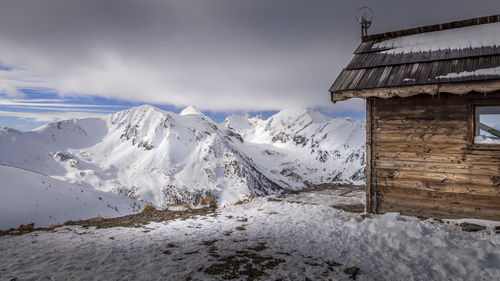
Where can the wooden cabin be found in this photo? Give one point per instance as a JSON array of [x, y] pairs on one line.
[[432, 118]]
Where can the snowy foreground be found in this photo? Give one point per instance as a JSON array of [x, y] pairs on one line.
[[267, 239]]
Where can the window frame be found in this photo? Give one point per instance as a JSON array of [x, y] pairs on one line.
[[474, 128]]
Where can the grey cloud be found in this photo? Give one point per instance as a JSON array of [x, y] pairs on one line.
[[215, 54]]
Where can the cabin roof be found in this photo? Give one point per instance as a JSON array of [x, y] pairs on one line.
[[458, 57]]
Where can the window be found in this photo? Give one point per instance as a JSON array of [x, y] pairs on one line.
[[487, 124]]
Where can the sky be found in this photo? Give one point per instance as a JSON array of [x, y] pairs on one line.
[[62, 59]]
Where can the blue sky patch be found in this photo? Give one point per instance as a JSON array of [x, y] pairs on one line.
[[40, 106]]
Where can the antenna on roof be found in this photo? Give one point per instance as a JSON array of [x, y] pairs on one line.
[[364, 17]]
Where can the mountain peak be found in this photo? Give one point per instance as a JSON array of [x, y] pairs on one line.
[[295, 113], [190, 110], [143, 108]]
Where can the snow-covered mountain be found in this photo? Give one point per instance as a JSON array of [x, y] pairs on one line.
[[302, 147], [29, 197], [163, 157]]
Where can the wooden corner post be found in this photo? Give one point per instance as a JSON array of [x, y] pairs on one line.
[[371, 198]]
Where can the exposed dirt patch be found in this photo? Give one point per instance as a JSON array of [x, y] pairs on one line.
[[249, 264], [172, 245], [325, 186], [352, 272], [358, 208], [191, 253], [138, 220], [23, 229], [241, 228], [209, 242], [134, 220], [259, 262]]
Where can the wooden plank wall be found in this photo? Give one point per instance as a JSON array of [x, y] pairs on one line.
[[425, 163]]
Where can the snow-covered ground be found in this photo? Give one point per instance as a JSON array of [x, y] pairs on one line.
[[266, 238], [29, 197]]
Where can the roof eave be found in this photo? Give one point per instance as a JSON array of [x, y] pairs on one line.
[[458, 88]]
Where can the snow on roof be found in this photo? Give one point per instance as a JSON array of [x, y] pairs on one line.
[[466, 52], [484, 35], [495, 71]]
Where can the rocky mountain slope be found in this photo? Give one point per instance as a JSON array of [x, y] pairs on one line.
[[163, 157], [302, 147]]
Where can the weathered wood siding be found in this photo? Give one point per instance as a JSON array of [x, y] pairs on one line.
[[422, 160]]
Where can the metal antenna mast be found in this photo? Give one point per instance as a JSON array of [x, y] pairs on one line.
[[364, 17]]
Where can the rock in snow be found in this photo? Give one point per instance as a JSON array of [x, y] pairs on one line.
[[163, 157]]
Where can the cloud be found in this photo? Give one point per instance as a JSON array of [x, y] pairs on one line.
[[219, 55], [50, 110], [52, 103], [13, 79], [49, 116]]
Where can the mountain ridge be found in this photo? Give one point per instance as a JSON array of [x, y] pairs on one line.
[[163, 157]]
